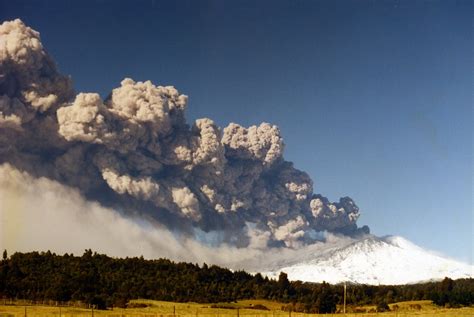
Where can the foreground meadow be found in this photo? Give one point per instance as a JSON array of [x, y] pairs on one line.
[[246, 308]]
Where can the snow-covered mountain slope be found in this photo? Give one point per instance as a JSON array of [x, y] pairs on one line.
[[373, 260]]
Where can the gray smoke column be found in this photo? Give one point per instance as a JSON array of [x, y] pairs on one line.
[[135, 152]]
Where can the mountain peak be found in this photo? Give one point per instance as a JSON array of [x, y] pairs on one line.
[[376, 260]]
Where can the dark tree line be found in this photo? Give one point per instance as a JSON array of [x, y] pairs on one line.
[[104, 281]]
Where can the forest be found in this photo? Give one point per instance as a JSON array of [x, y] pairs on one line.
[[111, 282]]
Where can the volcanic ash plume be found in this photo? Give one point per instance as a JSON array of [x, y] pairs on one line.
[[135, 152]]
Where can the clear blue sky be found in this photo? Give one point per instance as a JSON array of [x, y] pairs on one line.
[[374, 98]]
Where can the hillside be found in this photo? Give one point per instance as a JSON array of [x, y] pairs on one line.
[[388, 260]]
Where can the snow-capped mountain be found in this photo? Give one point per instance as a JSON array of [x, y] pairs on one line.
[[373, 260]]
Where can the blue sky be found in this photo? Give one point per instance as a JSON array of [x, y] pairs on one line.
[[374, 98]]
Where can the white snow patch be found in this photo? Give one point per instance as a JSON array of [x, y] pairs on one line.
[[388, 260]]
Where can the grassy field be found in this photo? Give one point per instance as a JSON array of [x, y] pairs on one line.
[[239, 309]]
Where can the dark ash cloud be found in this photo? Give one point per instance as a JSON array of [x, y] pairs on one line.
[[135, 152]]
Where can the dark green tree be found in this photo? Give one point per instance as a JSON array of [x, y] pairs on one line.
[[382, 306], [326, 302]]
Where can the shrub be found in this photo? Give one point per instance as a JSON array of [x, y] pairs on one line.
[[259, 307], [137, 305], [415, 306], [382, 306]]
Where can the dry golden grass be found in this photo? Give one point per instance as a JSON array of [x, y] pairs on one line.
[[170, 309]]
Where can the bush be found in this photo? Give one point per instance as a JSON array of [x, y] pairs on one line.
[[137, 305], [223, 306], [382, 306], [415, 306], [258, 306]]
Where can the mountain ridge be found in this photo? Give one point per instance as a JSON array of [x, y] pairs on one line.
[[390, 260]]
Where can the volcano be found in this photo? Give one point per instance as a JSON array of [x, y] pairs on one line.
[[389, 260]]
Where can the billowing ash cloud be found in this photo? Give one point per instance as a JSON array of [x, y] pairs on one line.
[[30, 207], [135, 152]]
